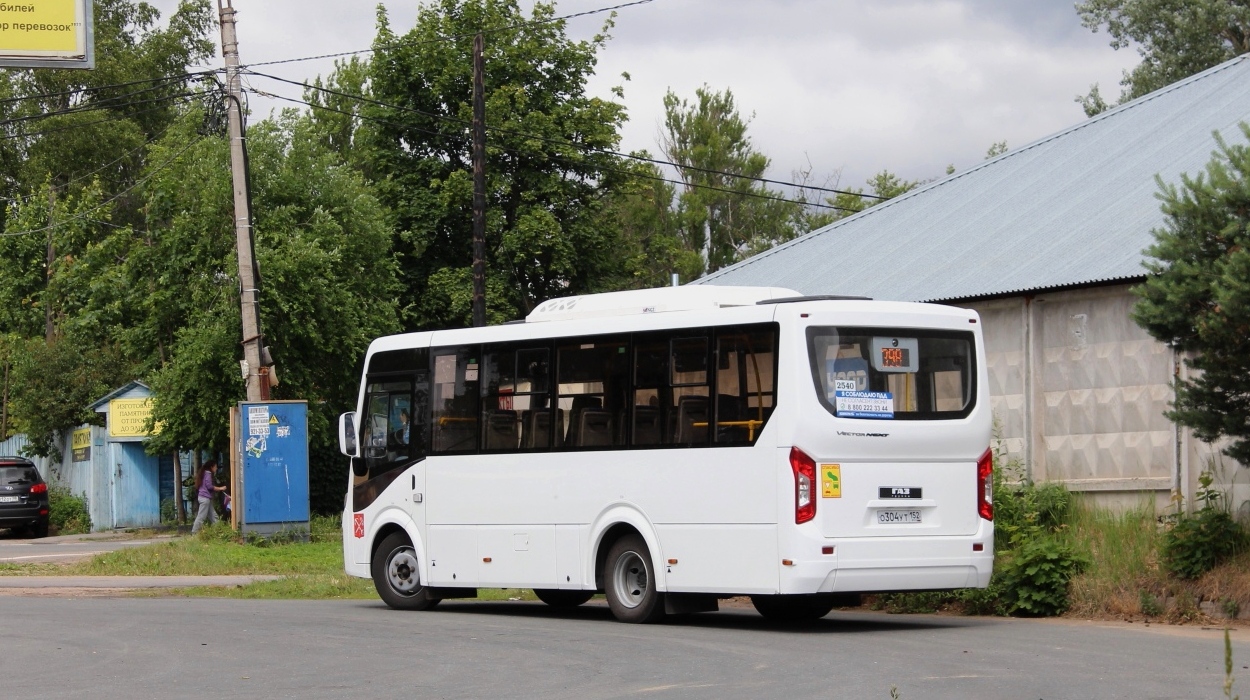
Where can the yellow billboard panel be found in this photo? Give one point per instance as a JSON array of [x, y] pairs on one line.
[[45, 32], [127, 417], [81, 444]]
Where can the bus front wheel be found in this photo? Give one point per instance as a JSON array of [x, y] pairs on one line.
[[629, 582], [793, 608], [397, 577], [563, 599]]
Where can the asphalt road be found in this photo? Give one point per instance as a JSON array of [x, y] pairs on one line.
[[159, 648]]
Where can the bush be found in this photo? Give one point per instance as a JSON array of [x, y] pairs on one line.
[[1196, 543], [1035, 578], [67, 513]]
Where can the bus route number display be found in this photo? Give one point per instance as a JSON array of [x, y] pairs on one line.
[[895, 354]]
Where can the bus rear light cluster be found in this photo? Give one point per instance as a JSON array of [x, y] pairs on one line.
[[985, 485], [804, 468]]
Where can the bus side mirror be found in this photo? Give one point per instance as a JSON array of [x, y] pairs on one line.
[[347, 435]]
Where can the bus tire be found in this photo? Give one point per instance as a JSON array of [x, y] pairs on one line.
[[557, 598], [793, 608], [629, 582], [396, 575]]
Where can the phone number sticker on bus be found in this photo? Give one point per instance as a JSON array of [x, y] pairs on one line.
[[864, 404]]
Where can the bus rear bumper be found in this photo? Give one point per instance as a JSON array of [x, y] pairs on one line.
[[882, 564]]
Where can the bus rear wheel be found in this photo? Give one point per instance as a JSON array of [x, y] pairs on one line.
[[793, 608], [563, 599], [629, 582], [397, 577]]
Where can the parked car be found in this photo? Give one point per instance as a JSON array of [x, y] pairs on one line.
[[23, 497]]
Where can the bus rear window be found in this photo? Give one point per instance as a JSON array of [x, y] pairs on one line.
[[893, 373]]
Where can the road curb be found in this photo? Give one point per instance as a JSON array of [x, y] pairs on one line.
[[128, 582]]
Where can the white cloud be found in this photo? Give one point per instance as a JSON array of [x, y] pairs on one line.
[[907, 85]]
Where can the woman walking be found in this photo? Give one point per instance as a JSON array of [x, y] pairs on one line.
[[205, 496]]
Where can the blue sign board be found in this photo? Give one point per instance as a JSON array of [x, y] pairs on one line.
[[273, 440]]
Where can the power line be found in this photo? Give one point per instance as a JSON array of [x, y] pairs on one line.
[[564, 142], [86, 215], [118, 117], [398, 44], [84, 176], [97, 88], [91, 107], [550, 156]]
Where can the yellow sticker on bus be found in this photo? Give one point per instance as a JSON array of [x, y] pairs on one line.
[[831, 481]]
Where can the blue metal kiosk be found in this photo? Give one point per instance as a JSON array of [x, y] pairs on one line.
[[273, 475]]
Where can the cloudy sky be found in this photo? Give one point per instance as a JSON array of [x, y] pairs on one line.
[[844, 87]]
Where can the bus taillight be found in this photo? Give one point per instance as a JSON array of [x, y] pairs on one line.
[[985, 485], [804, 476]]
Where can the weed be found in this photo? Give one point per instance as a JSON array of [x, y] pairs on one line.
[[1036, 577], [1195, 543], [67, 512], [1150, 605], [1185, 609], [1228, 667], [1231, 608]]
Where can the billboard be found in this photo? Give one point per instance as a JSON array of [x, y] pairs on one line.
[[47, 34]]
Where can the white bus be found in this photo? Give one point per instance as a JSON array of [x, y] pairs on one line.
[[673, 447]]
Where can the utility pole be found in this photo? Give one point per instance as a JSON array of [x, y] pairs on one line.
[[257, 385], [479, 187], [49, 328]]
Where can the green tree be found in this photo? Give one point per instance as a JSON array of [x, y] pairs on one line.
[[723, 218], [328, 284], [1197, 294], [1176, 39], [640, 214], [883, 185], [547, 176]]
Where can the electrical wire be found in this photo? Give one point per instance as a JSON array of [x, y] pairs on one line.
[[84, 176], [398, 44], [97, 88], [118, 117], [86, 215], [564, 142], [91, 107], [554, 157]]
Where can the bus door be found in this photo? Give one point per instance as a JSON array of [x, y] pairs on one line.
[[394, 440]]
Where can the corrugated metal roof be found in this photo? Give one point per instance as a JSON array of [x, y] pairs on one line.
[[1073, 208]]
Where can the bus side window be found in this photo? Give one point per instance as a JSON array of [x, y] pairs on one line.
[[515, 398], [745, 393], [688, 378], [592, 384], [454, 399]]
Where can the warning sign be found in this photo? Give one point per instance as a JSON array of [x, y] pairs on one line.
[[831, 481]]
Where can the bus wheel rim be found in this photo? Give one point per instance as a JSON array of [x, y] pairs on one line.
[[401, 572], [629, 578]]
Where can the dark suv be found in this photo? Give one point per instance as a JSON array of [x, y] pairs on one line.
[[23, 497]]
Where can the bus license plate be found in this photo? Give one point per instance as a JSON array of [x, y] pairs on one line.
[[891, 517]]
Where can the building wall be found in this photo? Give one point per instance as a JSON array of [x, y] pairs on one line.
[[1079, 393]]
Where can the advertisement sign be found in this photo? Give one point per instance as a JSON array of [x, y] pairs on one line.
[[47, 34], [127, 417], [80, 443]]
